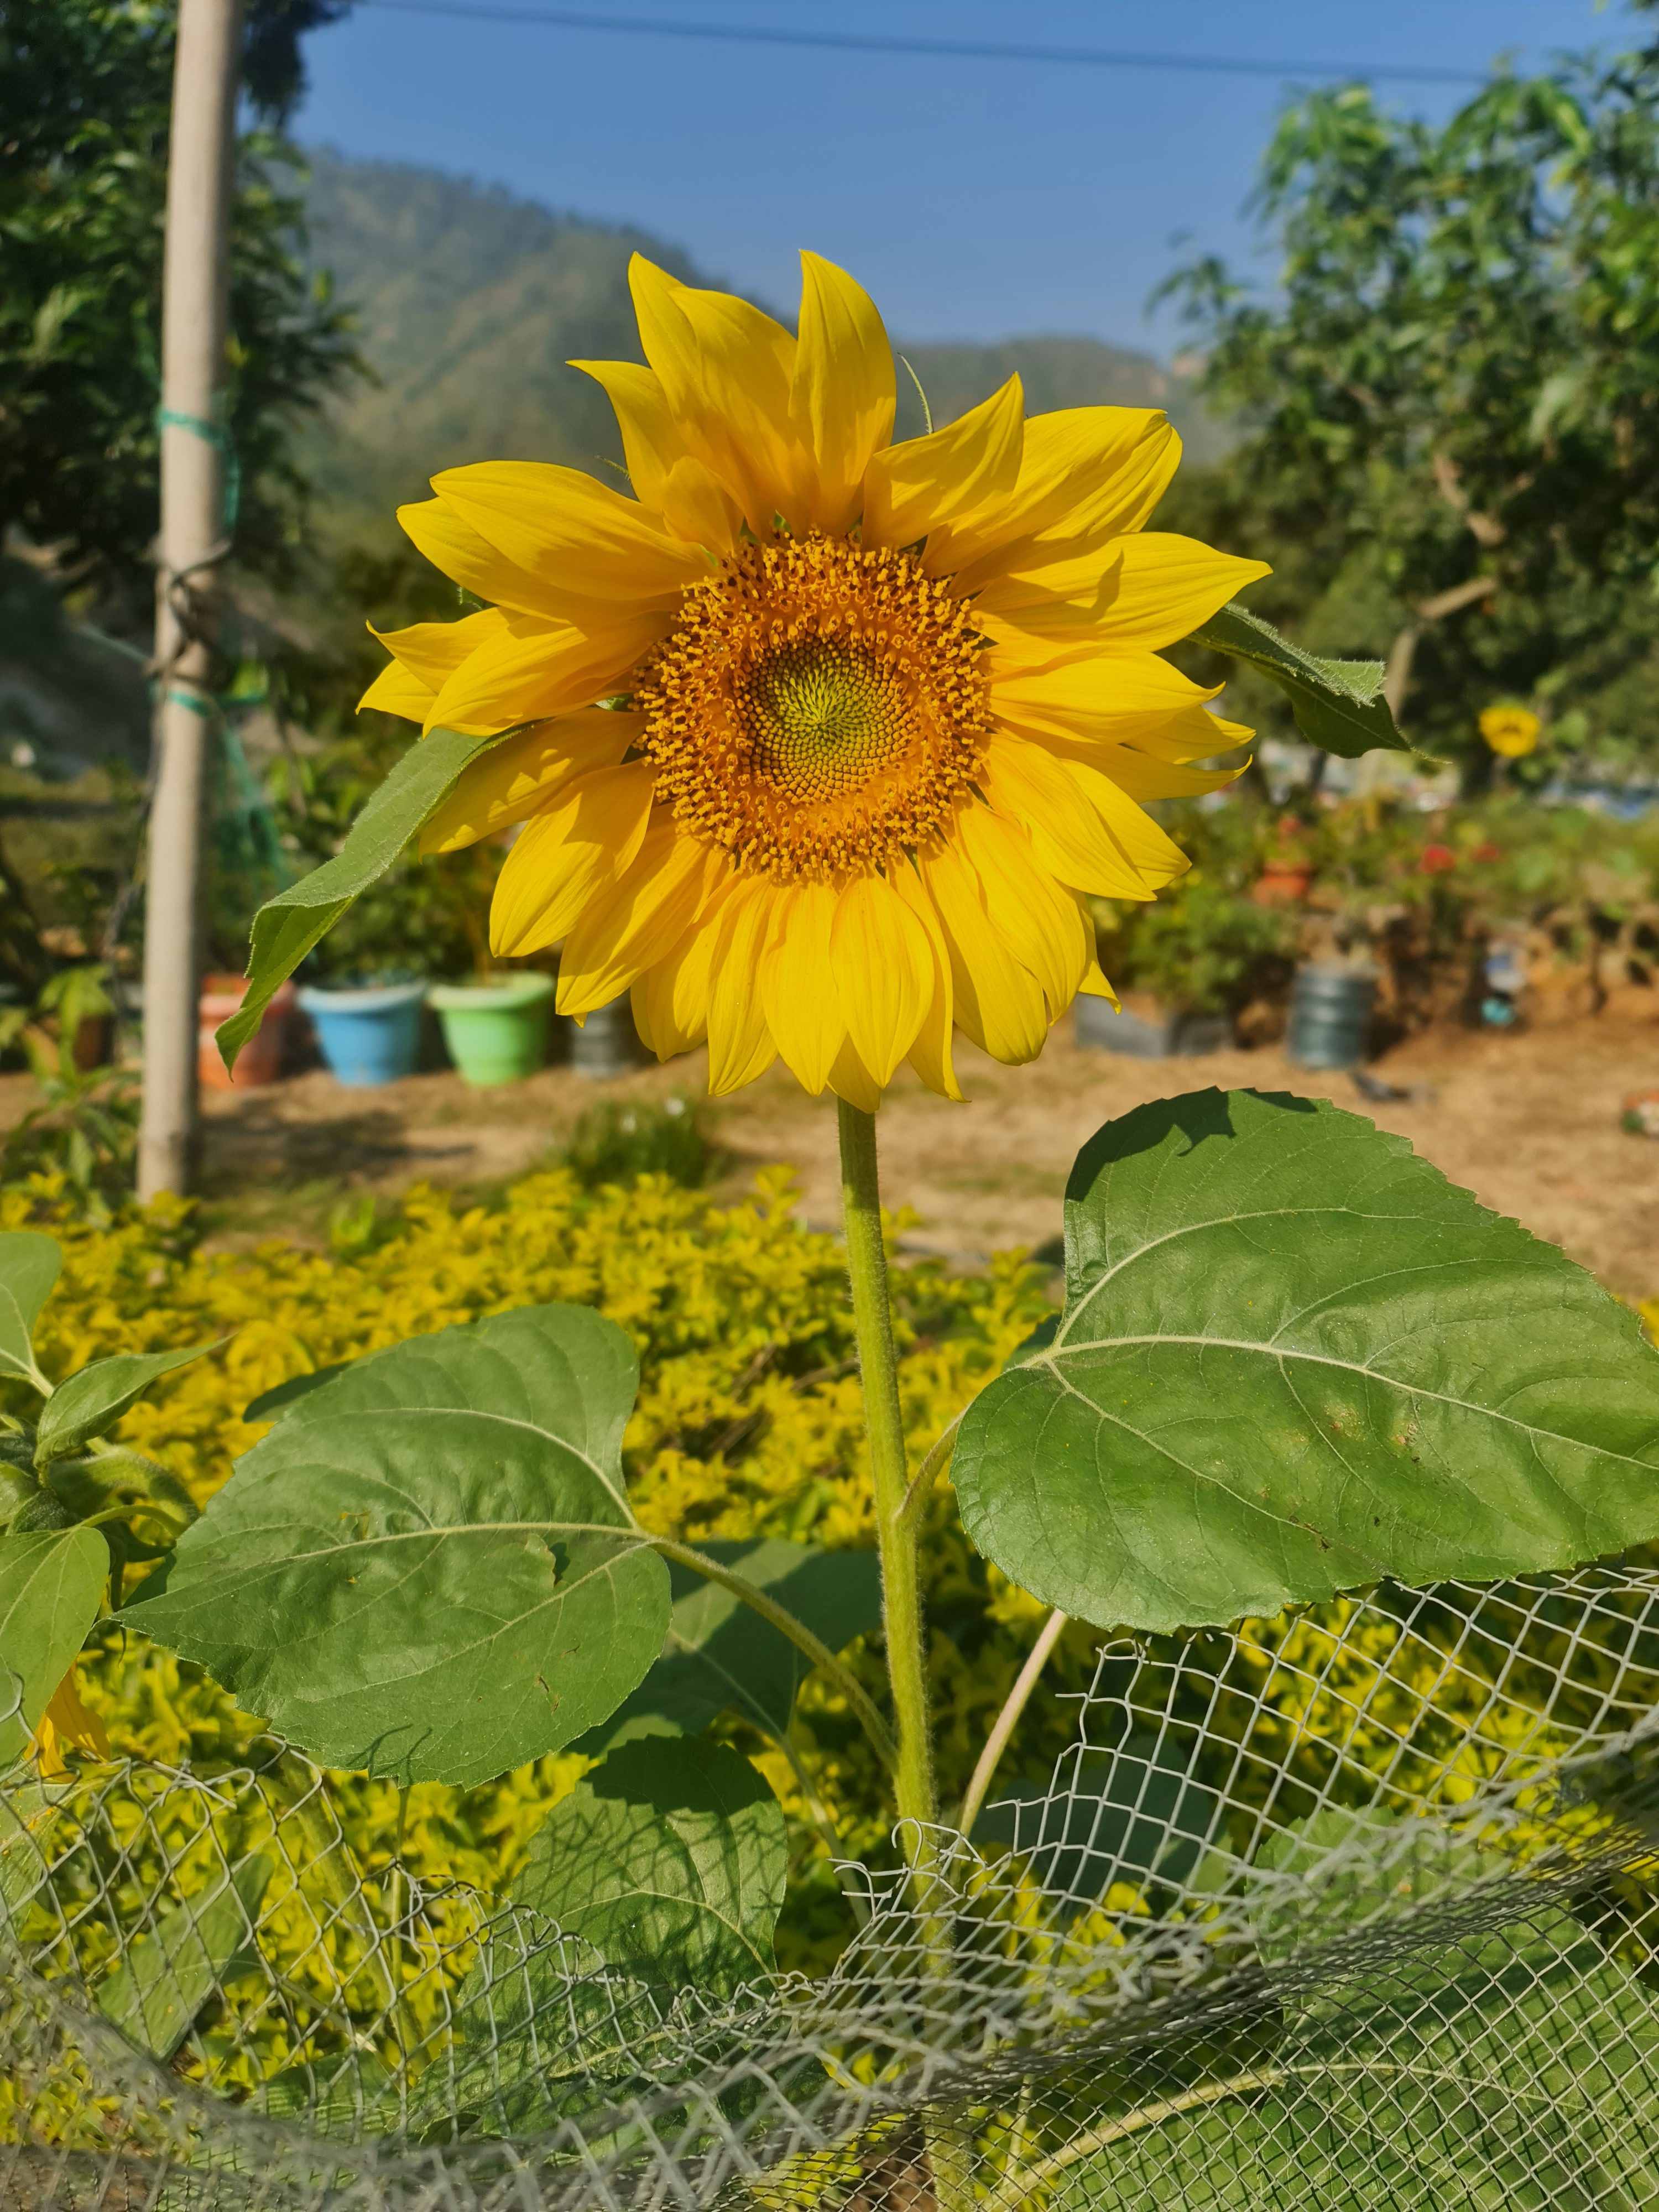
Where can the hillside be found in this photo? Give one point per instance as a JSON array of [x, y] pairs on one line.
[[470, 302]]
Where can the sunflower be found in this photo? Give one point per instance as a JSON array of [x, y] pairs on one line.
[[831, 738]]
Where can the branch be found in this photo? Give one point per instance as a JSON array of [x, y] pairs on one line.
[[1008, 1719], [797, 1631]]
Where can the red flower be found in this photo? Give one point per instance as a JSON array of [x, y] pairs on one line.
[[1436, 858], [1487, 853]]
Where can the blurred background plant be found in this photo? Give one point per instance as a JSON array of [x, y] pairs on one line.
[[84, 1130]]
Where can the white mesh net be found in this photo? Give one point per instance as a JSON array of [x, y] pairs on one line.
[[1349, 1909]]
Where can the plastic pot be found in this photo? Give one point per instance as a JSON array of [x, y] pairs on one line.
[[495, 1032], [1330, 1015], [606, 1044], [369, 1035], [1167, 1036], [261, 1058]]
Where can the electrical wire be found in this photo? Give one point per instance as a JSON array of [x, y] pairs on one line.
[[572, 19]]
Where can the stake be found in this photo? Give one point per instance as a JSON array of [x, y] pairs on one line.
[[195, 319]]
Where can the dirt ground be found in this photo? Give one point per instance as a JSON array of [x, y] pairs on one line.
[[1528, 1121]]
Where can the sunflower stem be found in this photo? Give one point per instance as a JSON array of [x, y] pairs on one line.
[[949, 2144], [901, 1583]]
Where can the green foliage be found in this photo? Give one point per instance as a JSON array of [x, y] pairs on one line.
[[84, 110], [86, 1127], [1295, 1360], [89, 1404], [1456, 382], [288, 927], [1337, 704], [670, 1859], [51, 1585], [616, 1140], [451, 1515], [719, 1655], [179, 1965], [29, 1265]]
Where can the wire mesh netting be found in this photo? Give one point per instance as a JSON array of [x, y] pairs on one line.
[[1355, 1908]]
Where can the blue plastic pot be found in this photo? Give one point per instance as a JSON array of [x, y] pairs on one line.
[[371, 1036]]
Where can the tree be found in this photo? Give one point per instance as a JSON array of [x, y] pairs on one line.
[[1452, 406], [85, 87]]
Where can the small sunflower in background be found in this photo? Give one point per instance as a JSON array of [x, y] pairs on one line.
[[1511, 731], [833, 736]]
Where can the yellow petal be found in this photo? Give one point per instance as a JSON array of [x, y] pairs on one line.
[[1165, 586], [1124, 855], [434, 651], [970, 466], [670, 1000], [1041, 924], [525, 773], [697, 507], [542, 668], [798, 984], [740, 1045], [571, 533], [726, 369], [433, 528], [841, 392], [636, 921], [999, 1002], [1087, 475], [68, 1720], [395, 691], [883, 966], [651, 443], [1091, 693], [561, 858], [930, 1055], [849, 1079]]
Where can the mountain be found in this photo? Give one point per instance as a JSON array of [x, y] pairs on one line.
[[469, 302]]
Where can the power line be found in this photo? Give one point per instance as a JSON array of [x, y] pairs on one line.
[[657, 26]]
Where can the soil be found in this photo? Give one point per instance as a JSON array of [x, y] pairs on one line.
[[1530, 1120]]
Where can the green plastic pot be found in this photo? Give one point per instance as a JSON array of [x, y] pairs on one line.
[[495, 1032]]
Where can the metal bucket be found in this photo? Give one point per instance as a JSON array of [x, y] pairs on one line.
[[1330, 1015], [606, 1044]]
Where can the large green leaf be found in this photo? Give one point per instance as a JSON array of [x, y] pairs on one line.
[[719, 1654], [28, 1268], [170, 1972], [1107, 1817], [51, 1583], [670, 1859], [94, 1398], [1518, 2066], [428, 1567], [1295, 1359], [286, 927], [1337, 704], [28, 1812]]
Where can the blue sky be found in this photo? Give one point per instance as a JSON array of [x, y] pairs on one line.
[[974, 198]]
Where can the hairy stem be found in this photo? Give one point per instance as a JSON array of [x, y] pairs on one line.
[[901, 1583], [1008, 1719], [948, 2145]]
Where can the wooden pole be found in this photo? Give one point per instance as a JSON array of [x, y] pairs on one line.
[[195, 321]]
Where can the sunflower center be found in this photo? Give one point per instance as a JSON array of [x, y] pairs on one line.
[[817, 708], [826, 716]]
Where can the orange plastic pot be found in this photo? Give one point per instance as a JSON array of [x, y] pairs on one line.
[[261, 1057]]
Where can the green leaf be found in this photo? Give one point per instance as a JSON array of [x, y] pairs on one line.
[[1107, 1817], [670, 1859], [170, 1973], [92, 1401], [1293, 1359], [286, 927], [720, 1655], [1337, 704], [28, 1811], [429, 1568], [28, 1268], [51, 1583], [270, 1405]]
